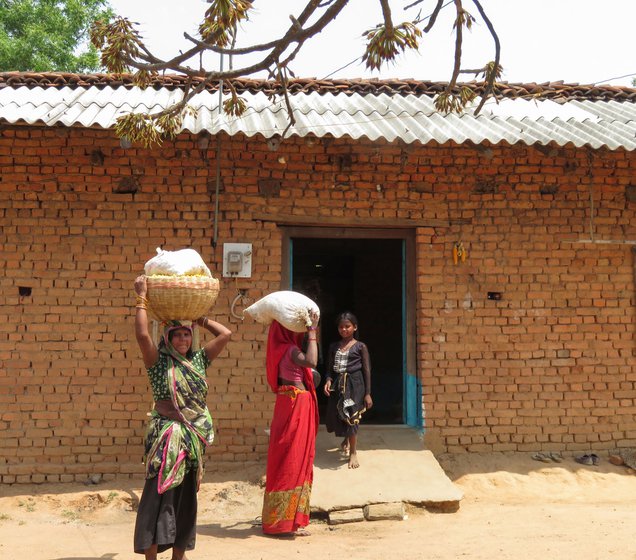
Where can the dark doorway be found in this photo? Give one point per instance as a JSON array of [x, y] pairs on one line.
[[366, 277]]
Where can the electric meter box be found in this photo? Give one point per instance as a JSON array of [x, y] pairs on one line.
[[237, 260]]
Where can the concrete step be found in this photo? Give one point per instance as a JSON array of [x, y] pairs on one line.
[[394, 467]]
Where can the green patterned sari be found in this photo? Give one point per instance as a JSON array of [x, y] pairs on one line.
[[174, 447]]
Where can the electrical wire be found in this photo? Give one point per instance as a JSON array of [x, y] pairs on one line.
[[240, 297], [217, 188], [614, 78], [417, 21]]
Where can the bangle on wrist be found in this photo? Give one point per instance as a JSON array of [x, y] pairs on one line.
[[311, 328]]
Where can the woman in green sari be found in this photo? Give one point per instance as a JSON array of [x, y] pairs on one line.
[[179, 430]]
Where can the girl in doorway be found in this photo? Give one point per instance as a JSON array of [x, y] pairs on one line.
[[348, 385]]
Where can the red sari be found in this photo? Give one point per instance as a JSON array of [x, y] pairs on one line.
[[292, 441]]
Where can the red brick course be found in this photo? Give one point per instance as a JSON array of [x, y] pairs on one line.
[[549, 366]]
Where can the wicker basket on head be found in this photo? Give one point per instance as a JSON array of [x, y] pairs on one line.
[[181, 297]]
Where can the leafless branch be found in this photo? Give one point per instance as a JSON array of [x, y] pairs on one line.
[[150, 63], [292, 35], [434, 14], [386, 13], [491, 76], [290, 111], [202, 45], [458, 46], [385, 42]]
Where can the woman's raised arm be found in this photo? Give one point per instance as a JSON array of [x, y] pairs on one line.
[[222, 336], [310, 358], [147, 346]]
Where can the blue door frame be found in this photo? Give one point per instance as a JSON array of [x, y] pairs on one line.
[[412, 388]]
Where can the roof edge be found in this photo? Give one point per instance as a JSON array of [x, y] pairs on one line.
[[548, 90]]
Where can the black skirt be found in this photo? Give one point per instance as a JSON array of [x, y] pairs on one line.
[[167, 519], [354, 390]]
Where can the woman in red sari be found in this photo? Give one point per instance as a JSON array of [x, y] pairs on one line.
[[292, 440]]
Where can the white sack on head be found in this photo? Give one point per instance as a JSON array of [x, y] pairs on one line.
[[290, 309], [185, 262]]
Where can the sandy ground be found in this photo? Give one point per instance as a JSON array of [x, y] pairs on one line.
[[513, 508]]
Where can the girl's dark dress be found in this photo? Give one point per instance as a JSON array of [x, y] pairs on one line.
[[356, 364]]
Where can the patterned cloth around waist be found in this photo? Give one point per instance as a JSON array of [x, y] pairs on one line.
[[175, 446]]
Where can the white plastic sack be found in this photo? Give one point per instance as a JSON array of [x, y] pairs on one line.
[[290, 309], [185, 262]]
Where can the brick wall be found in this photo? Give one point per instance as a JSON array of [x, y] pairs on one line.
[[549, 366]]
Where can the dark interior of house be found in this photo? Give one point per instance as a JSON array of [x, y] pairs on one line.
[[364, 276]]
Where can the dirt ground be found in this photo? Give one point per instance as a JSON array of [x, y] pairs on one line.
[[513, 508]]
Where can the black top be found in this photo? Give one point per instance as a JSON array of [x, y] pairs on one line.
[[355, 359]]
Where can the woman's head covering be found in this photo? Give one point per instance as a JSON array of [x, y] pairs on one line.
[[165, 345], [279, 340]]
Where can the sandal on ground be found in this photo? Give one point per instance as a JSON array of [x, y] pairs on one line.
[[584, 460], [556, 457], [541, 457], [595, 459]]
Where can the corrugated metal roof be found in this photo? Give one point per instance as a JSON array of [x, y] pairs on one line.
[[406, 113]]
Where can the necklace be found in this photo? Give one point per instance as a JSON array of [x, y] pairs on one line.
[[347, 346]]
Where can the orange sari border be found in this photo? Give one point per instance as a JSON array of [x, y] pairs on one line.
[[286, 510]]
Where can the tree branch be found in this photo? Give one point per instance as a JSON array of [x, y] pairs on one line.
[[494, 73], [386, 13], [434, 14], [290, 111], [202, 45], [293, 35], [122, 48], [458, 46]]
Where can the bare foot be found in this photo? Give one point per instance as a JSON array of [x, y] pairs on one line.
[[353, 461], [344, 447]]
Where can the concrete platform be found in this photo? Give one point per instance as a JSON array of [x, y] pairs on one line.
[[394, 467]]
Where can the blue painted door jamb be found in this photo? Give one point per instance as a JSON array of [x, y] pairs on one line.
[[412, 388]]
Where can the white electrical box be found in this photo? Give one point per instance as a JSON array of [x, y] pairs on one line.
[[237, 260]]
